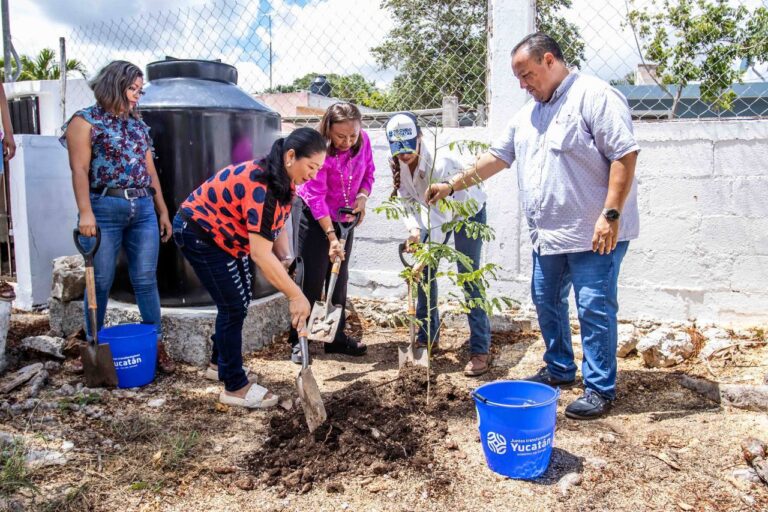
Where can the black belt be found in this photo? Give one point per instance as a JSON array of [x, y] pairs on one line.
[[194, 226], [126, 193]]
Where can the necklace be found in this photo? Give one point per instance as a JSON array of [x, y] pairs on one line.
[[346, 191]]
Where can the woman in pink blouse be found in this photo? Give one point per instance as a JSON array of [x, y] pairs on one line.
[[345, 180]]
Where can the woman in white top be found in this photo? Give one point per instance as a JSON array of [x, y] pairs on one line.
[[413, 172]]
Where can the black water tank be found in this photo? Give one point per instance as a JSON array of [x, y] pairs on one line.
[[200, 122], [320, 85]]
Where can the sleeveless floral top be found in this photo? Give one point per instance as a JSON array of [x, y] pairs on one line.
[[119, 147]]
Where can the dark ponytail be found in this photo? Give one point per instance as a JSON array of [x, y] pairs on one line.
[[305, 142]]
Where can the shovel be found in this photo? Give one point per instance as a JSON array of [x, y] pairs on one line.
[[98, 366], [309, 393], [325, 317], [412, 353]]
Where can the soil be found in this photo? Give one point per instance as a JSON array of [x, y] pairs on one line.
[[384, 447], [372, 430]]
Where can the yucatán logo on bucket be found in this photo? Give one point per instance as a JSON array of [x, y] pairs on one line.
[[497, 443], [127, 362]]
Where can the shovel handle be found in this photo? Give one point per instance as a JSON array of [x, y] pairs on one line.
[[87, 255], [401, 249], [304, 346], [346, 227], [337, 261]]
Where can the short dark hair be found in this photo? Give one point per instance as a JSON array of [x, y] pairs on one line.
[[110, 85], [538, 44]]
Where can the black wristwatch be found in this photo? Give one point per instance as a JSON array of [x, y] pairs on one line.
[[447, 182], [611, 214]]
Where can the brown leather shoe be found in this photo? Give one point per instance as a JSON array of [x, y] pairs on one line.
[[478, 365], [164, 361]]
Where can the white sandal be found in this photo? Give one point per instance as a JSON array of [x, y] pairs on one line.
[[212, 374], [253, 399]]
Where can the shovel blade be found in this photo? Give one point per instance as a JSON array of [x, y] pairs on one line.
[[321, 327], [414, 355], [98, 366], [311, 401]]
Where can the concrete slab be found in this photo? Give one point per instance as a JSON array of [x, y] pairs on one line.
[[187, 331]]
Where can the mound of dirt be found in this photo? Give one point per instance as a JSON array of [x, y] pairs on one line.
[[371, 430]]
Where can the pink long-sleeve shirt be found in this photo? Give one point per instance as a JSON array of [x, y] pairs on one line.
[[324, 195]]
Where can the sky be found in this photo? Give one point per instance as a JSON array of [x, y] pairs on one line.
[[324, 36], [339, 33]]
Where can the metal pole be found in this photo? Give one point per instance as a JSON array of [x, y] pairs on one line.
[[270, 50], [6, 42], [63, 78]]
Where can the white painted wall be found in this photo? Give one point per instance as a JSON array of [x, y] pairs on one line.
[[44, 213], [703, 247], [79, 95]]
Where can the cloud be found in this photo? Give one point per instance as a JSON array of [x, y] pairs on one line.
[[331, 36]]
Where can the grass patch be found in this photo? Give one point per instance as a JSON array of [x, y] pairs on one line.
[[13, 469], [178, 447], [135, 428], [74, 499]]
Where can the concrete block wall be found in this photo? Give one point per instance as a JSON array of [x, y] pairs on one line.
[[703, 247], [44, 213]]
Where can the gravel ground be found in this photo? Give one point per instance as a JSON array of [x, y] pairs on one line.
[[169, 446]]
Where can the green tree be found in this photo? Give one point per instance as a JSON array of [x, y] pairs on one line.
[[430, 254], [354, 88], [700, 41], [629, 79], [565, 33], [43, 66], [440, 48]]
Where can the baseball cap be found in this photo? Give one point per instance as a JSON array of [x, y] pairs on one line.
[[402, 133]]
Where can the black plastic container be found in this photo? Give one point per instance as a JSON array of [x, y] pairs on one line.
[[200, 122]]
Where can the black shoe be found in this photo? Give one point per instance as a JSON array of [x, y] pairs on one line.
[[349, 346], [544, 377], [590, 406], [296, 354]]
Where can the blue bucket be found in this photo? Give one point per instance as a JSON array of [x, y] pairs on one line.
[[134, 351], [516, 419]]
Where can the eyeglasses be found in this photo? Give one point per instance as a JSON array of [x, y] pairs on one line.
[[140, 92]]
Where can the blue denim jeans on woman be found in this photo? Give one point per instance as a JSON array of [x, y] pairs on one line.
[[479, 325], [132, 225], [594, 278], [228, 281]]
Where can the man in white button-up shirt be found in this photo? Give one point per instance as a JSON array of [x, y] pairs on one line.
[[414, 169], [575, 154]]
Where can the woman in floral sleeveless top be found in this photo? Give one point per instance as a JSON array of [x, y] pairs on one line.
[[117, 189]]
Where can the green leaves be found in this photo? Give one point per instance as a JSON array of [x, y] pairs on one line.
[[700, 41], [44, 66]]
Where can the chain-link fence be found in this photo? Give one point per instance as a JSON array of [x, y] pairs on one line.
[[299, 57], [670, 58]]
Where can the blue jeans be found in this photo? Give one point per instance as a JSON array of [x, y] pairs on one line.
[[479, 325], [132, 225], [594, 278], [228, 281]]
